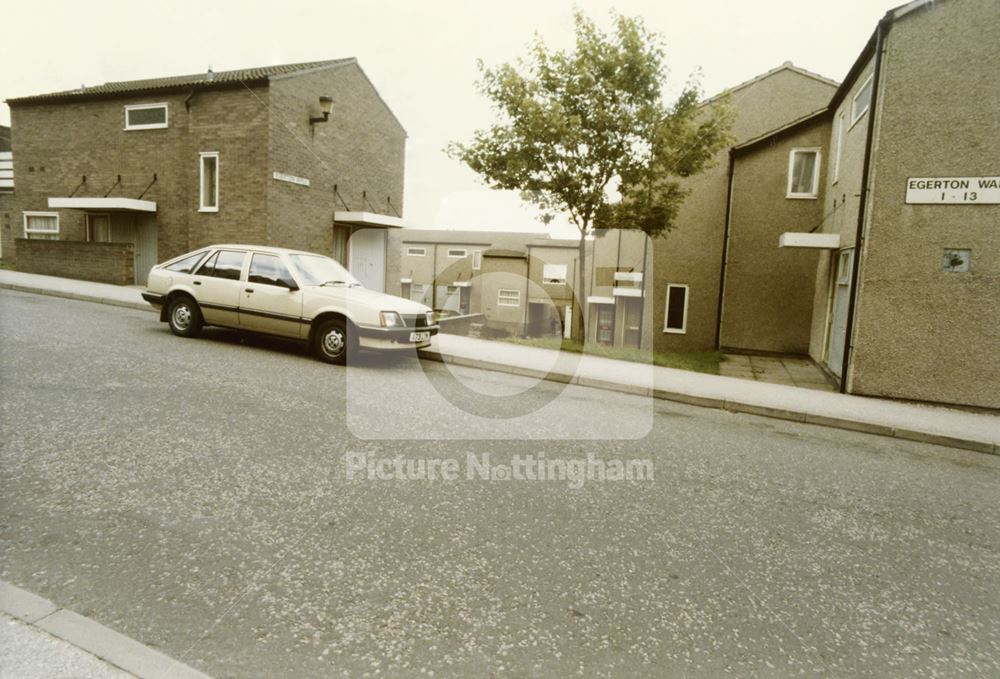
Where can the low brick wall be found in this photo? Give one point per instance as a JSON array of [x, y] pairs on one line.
[[99, 262]]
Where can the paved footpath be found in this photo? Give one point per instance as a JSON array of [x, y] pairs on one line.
[[39, 639], [916, 422]]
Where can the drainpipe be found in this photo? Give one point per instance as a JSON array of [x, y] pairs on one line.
[[642, 289], [880, 32], [725, 251]]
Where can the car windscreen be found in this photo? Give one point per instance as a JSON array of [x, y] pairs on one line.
[[317, 270]]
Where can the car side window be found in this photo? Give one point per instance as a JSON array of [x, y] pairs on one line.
[[224, 264], [186, 264], [268, 270], [206, 268]]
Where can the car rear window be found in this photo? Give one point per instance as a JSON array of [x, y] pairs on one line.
[[186, 264]]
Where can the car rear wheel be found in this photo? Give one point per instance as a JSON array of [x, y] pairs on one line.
[[184, 317], [333, 341]]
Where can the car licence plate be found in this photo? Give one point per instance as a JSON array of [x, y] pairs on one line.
[[419, 336]]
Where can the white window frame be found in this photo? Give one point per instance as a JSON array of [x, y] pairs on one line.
[[201, 180], [46, 232], [451, 251], [546, 277], [666, 309], [509, 293], [477, 260], [858, 115], [415, 251], [840, 147], [814, 192], [150, 126]]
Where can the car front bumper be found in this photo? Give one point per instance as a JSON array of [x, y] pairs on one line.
[[372, 337]]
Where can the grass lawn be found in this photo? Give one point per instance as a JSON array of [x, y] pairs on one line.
[[698, 361], [6, 264]]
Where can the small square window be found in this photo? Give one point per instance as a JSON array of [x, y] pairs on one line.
[[457, 253], [145, 116], [416, 252], [803, 173], [957, 261], [554, 274], [508, 297]]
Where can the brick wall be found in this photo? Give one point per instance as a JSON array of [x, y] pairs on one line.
[[57, 145], [99, 262], [360, 149]]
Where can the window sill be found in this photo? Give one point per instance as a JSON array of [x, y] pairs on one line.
[[802, 196], [674, 331], [145, 127], [208, 209]]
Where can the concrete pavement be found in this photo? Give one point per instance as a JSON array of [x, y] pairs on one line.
[[790, 371], [917, 422], [40, 639]]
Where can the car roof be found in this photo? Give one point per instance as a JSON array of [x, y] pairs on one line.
[[260, 248]]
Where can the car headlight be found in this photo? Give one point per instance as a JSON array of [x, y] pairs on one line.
[[430, 317], [390, 319]]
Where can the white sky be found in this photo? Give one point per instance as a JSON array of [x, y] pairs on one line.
[[421, 57]]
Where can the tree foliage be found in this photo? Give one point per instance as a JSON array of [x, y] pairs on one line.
[[574, 123]]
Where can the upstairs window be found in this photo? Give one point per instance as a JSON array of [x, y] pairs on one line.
[[416, 252], [861, 101], [554, 274], [44, 225], [145, 116], [477, 260], [803, 173], [209, 163], [457, 253]]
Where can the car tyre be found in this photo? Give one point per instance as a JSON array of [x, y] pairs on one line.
[[334, 341], [184, 317]]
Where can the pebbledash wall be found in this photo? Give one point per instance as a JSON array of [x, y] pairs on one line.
[[921, 330], [692, 253], [256, 120]]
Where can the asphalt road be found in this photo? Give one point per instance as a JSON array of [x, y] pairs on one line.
[[192, 494]]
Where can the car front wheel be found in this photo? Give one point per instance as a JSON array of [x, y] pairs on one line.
[[333, 341], [184, 317]]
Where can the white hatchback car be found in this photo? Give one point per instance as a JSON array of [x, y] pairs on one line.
[[289, 293]]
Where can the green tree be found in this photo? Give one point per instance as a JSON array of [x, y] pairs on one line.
[[573, 124]]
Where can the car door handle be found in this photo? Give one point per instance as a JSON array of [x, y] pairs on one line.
[[249, 290], [197, 282]]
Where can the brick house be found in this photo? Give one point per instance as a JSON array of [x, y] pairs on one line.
[[298, 155]]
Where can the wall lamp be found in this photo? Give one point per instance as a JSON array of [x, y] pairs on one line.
[[325, 106]]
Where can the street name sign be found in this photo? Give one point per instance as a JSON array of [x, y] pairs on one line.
[[953, 190], [290, 178]]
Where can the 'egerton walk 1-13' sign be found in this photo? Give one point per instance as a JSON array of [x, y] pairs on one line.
[[953, 190]]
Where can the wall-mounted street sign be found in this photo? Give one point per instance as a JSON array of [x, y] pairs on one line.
[[290, 178], [953, 190]]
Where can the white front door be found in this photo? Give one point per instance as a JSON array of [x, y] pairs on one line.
[[367, 258], [841, 302]]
